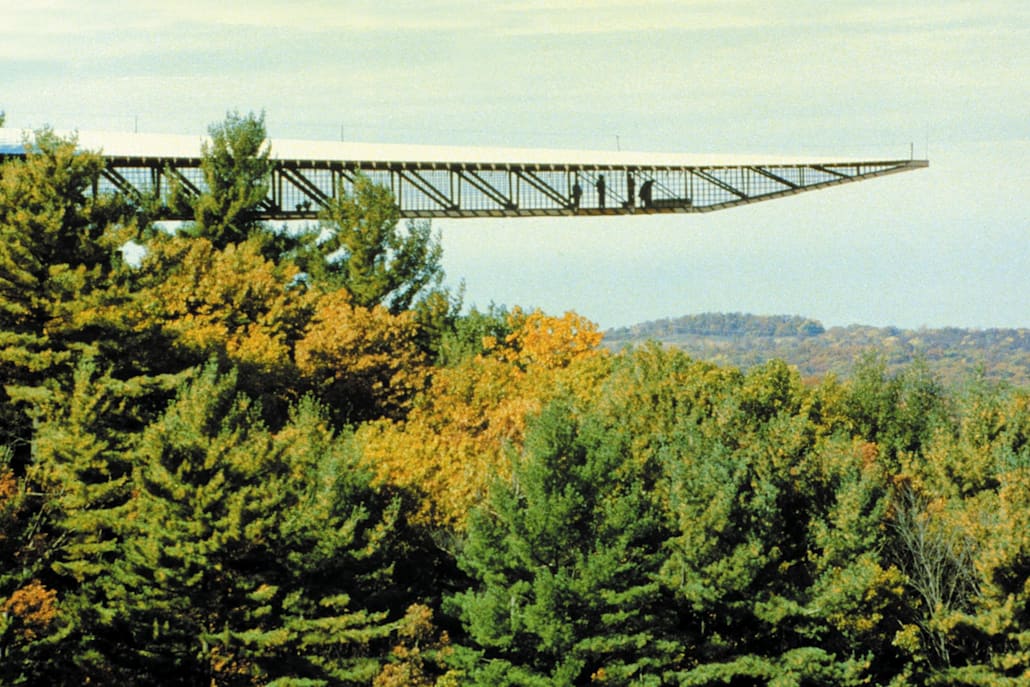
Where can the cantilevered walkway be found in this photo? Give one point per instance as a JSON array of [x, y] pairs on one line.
[[432, 181]]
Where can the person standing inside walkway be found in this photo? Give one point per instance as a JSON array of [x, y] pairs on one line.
[[577, 194], [631, 186], [600, 191], [646, 190]]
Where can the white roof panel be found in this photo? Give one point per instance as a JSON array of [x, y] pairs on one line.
[[121, 144]]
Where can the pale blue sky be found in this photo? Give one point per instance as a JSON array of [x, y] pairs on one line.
[[949, 245]]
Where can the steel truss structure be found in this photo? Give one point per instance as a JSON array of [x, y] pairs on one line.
[[299, 188], [444, 186]]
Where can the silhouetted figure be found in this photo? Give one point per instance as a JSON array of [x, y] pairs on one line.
[[646, 189], [577, 194], [631, 186], [600, 191]]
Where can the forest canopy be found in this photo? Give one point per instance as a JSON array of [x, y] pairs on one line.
[[268, 457]]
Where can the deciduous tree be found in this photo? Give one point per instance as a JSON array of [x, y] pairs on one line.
[[459, 431], [363, 362]]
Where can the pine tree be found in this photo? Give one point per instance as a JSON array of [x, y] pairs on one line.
[[59, 257], [237, 176], [771, 552], [251, 556], [564, 560], [81, 476], [215, 540], [369, 255]]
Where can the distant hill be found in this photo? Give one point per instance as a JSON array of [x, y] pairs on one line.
[[743, 340]]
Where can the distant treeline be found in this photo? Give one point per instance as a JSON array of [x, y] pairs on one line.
[[953, 354], [720, 325]]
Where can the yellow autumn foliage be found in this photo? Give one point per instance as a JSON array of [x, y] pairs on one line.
[[32, 607], [459, 433], [550, 342], [419, 657], [365, 356], [232, 299]]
